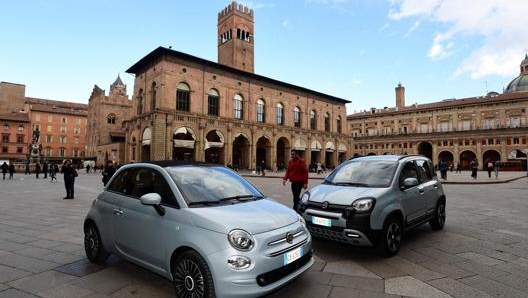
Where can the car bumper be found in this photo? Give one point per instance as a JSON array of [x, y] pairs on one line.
[[353, 230], [267, 274]]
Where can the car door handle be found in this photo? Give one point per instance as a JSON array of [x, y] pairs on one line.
[[118, 212]]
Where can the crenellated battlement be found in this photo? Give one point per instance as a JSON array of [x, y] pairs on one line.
[[235, 6]]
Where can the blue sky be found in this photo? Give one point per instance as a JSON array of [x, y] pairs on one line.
[[358, 50]]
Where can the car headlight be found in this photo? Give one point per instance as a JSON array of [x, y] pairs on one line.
[[363, 205], [305, 197], [241, 240]]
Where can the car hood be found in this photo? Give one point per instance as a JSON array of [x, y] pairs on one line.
[[343, 195], [254, 217]]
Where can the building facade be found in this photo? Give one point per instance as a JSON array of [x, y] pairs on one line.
[[188, 108], [15, 129], [61, 127], [105, 138], [486, 128]]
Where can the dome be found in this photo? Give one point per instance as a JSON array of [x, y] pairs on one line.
[[520, 83]]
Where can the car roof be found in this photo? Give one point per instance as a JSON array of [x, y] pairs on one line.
[[178, 163], [387, 157]]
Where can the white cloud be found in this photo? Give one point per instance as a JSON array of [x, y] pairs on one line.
[[413, 27], [498, 25]]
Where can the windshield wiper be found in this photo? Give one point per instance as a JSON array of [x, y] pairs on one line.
[[351, 184], [207, 203], [241, 198]]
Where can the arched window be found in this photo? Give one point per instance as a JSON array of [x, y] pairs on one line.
[[297, 117], [280, 114], [238, 107], [327, 121], [6, 126], [338, 124], [111, 118], [183, 97], [261, 110], [213, 103], [313, 120]]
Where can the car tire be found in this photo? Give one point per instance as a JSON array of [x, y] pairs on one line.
[[391, 237], [192, 277], [438, 221], [93, 244]]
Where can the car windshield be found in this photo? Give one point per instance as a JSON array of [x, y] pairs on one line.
[[211, 186], [363, 173]]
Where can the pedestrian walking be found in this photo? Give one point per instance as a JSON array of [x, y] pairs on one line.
[[69, 173], [11, 170], [37, 170], [53, 169], [490, 167], [45, 169], [496, 167], [4, 168], [263, 168], [442, 166], [474, 168], [297, 173]]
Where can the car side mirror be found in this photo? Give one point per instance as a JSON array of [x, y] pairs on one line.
[[409, 182], [153, 199]]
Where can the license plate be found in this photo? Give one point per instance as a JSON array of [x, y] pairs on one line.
[[321, 221], [293, 255]]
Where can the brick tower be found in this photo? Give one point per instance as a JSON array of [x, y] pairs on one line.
[[235, 37]]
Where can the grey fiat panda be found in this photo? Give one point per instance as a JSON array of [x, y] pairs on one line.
[[373, 200]]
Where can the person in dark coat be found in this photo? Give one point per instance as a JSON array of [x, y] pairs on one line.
[[11, 170], [69, 173], [37, 169], [45, 169], [53, 169], [4, 167], [442, 166], [108, 171]]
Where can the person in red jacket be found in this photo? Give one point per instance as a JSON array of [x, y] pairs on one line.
[[297, 173]]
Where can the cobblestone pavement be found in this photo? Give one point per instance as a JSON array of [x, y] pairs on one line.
[[481, 252]]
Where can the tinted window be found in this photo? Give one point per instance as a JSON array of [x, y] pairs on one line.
[[408, 171], [424, 170], [123, 182]]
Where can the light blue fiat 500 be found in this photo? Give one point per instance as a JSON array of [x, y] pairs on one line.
[[202, 226]]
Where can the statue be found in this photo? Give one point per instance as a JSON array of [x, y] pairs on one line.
[[36, 135], [35, 148]]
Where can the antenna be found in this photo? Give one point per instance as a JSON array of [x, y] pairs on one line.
[[486, 86]]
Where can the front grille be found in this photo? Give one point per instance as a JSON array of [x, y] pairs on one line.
[[333, 233], [272, 276], [331, 207]]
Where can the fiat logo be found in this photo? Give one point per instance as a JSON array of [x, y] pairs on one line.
[[324, 205], [289, 237]]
